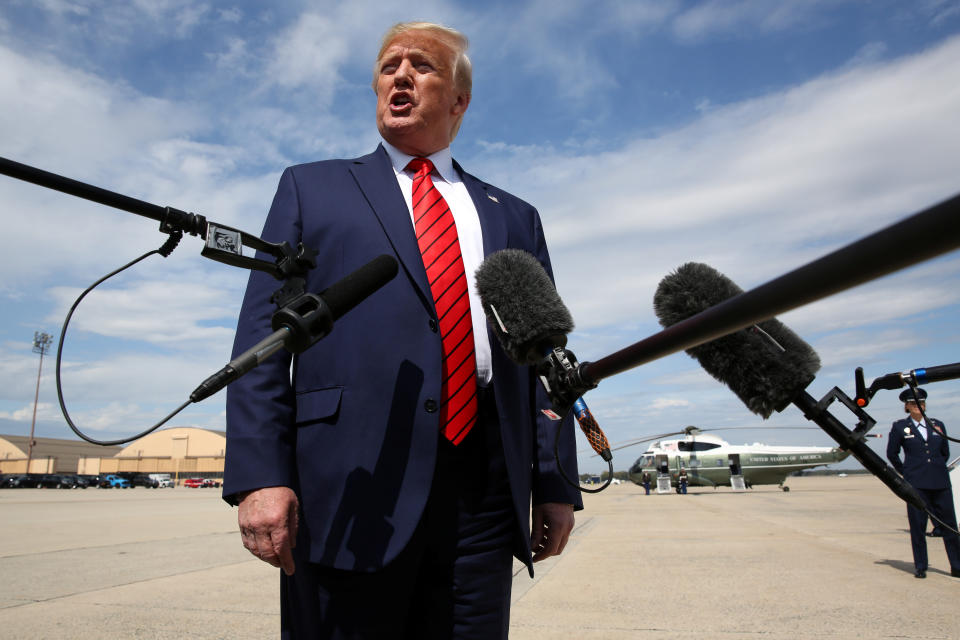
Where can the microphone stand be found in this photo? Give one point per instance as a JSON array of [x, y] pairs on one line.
[[223, 243], [300, 320], [913, 378], [933, 231], [852, 441]]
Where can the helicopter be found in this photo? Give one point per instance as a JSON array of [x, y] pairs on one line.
[[712, 462]]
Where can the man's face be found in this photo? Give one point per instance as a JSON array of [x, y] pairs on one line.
[[417, 103]]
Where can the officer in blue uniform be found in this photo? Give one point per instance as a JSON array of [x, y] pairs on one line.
[[924, 465]]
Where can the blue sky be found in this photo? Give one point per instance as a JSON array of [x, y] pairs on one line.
[[753, 136]]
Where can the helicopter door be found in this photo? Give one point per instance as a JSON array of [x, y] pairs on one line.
[[736, 473], [663, 473]]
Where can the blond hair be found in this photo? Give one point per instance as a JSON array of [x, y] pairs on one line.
[[458, 43]]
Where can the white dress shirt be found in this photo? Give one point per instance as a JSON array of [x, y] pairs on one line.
[[921, 429], [469, 233]]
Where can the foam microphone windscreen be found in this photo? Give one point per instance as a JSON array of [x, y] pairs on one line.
[[766, 365], [522, 305]]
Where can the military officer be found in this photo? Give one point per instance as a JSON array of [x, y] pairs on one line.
[[924, 465]]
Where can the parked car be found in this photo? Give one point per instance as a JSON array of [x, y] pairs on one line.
[[114, 482], [77, 482], [50, 481], [15, 481], [91, 480], [193, 483], [140, 480], [210, 483]]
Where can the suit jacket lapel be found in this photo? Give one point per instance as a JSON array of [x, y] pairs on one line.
[[489, 211], [492, 225], [375, 177]]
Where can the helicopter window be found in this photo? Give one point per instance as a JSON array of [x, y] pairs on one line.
[[697, 446]]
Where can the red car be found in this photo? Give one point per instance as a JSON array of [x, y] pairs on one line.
[[211, 482], [193, 483]]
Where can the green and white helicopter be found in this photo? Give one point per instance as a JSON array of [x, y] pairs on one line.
[[710, 461]]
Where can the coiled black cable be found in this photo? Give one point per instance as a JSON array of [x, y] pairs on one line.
[[165, 250]]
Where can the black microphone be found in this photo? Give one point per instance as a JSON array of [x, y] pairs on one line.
[[530, 320], [766, 365], [304, 321], [522, 305]]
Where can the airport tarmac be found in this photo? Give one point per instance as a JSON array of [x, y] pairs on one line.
[[829, 559]]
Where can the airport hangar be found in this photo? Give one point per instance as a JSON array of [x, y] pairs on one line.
[[180, 451]]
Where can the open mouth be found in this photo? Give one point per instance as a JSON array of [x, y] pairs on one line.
[[400, 103]]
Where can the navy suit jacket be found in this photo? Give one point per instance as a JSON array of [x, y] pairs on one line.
[[347, 427], [924, 462]]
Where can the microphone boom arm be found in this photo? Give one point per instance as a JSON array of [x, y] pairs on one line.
[[933, 231], [222, 243], [913, 378], [852, 441]]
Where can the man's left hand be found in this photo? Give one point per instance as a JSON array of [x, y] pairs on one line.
[[552, 524]]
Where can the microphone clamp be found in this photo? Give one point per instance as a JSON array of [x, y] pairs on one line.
[[896, 380], [563, 379], [307, 317]]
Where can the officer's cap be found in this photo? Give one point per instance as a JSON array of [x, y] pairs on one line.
[[907, 395]]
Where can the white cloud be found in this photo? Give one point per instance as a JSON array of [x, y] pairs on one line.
[[61, 7], [755, 189], [45, 410], [177, 317], [746, 16], [668, 403], [55, 111], [309, 54]]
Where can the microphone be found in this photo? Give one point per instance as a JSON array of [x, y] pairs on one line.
[[522, 305], [766, 365], [304, 321], [530, 321]]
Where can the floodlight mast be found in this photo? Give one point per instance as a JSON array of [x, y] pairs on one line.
[[41, 344]]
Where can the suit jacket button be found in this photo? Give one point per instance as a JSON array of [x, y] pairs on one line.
[[430, 405], [433, 325]]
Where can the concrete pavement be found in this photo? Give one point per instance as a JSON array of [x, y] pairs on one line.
[[829, 559]]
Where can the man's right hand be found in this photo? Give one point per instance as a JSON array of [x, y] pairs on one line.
[[268, 525]]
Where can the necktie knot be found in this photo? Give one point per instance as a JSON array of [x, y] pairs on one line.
[[420, 166]]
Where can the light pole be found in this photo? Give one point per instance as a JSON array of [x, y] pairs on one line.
[[41, 344]]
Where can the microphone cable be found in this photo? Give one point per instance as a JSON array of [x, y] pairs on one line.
[[596, 438], [165, 250], [563, 474]]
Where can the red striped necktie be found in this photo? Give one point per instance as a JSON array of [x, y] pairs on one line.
[[440, 248]]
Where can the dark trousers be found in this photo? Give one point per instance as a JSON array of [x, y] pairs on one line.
[[451, 581], [940, 502]]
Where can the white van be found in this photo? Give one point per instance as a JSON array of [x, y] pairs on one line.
[[162, 480]]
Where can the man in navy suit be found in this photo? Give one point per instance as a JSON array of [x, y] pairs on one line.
[[924, 465], [384, 527]]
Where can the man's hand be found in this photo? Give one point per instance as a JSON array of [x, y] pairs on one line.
[[268, 525], [552, 524]]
